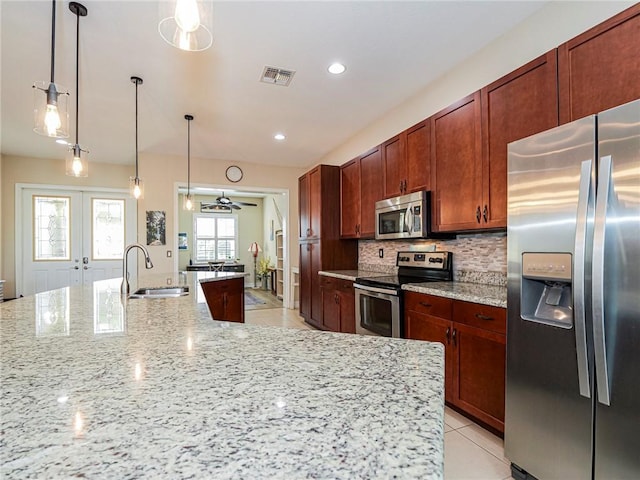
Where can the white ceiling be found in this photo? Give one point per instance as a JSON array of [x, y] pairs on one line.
[[392, 49]]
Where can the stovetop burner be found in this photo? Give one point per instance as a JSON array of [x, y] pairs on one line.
[[415, 267]]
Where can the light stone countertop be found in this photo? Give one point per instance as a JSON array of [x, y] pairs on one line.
[[99, 387], [469, 292], [351, 274]]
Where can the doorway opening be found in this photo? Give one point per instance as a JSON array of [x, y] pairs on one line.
[[236, 229]]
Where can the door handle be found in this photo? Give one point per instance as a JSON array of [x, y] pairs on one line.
[[599, 340], [478, 214], [85, 260], [585, 201], [75, 267], [85, 267]]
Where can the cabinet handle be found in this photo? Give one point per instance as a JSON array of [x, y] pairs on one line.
[[400, 186], [404, 186], [483, 317], [478, 214], [455, 336], [447, 334], [485, 214], [425, 304]]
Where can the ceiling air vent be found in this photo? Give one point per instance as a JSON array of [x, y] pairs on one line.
[[277, 76]]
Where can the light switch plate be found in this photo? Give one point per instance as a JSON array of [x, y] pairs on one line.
[[168, 253]]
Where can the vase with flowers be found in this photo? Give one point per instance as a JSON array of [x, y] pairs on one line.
[[263, 270]]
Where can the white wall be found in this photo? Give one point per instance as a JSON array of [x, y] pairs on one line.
[[552, 25]]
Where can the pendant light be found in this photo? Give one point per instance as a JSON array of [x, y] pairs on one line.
[[51, 117], [136, 188], [188, 201], [77, 162], [186, 24]]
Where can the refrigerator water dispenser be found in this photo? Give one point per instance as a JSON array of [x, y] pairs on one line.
[[546, 289]]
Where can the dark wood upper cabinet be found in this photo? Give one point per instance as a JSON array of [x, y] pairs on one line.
[[406, 161], [456, 161], [418, 156], [395, 165], [600, 69], [516, 106], [371, 190], [361, 186], [350, 199], [304, 222]]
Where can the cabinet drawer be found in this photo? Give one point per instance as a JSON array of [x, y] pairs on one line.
[[336, 283], [481, 316], [428, 304]]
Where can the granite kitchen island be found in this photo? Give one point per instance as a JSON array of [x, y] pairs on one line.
[[154, 388]]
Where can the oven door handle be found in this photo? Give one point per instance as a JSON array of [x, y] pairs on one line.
[[370, 289]]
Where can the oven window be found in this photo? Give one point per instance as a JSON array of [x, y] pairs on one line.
[[376, 315], [392, 222]]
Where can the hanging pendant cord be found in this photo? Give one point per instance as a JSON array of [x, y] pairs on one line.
[[188, 157], [136, 130], [77, 74], [53, 36]]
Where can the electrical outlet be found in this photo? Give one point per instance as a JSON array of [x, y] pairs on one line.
[[381, 252], [169, 253]]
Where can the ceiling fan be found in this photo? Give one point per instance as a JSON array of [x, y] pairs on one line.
[[224, 204]]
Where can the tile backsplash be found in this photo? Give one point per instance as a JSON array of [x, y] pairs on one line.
[[477, 258]]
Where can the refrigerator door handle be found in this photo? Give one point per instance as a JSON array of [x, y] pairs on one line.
[[602, 372], [585, 196]]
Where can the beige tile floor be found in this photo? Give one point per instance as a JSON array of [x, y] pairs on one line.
[[470, 452]]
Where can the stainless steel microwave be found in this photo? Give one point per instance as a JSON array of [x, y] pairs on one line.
[[407, 216]]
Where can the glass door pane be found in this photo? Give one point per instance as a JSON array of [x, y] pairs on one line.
[[108, 228], [51, 228]]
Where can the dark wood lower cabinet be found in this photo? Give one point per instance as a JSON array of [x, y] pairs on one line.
[[225, 299], [338, 305], [475, 351]]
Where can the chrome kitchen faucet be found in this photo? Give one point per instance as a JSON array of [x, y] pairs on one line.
[[124, 288]]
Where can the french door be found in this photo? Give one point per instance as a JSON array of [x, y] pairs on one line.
[[73, 237]]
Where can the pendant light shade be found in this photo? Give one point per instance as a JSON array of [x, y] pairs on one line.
[[77, 164], [186, 24], [188, 200], [136, 187], [51, 117]]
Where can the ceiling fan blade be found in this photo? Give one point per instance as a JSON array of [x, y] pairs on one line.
[[214, 207], [246, 204], [234, 206]]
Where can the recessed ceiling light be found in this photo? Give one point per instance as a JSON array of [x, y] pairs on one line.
[[62, 142], [279, 136], [336, 68]]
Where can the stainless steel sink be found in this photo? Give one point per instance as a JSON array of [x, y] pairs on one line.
[[160, 292]]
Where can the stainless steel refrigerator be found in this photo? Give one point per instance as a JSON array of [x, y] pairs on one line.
[[573, 329]]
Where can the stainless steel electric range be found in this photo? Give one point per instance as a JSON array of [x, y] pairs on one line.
[[379, 299]]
